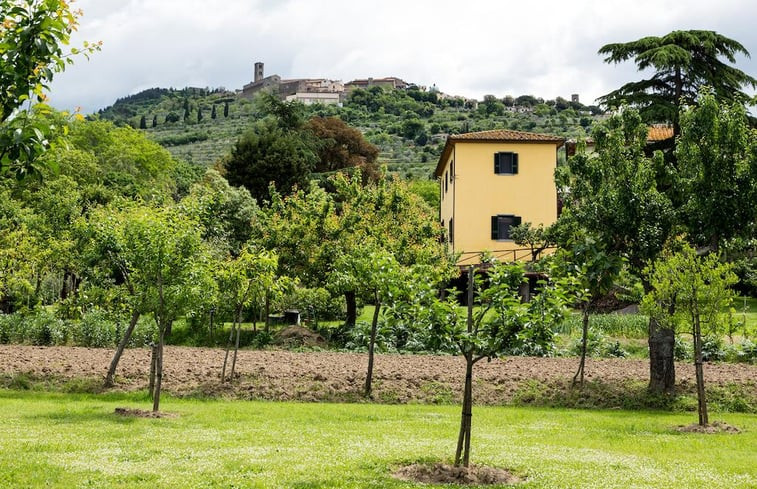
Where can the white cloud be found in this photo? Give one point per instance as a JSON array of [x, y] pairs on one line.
[[544, 48]]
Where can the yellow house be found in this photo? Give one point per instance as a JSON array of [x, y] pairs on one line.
[[490, 181]]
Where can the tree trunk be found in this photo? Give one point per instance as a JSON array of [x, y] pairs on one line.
[[371, 347], [120, 349], [267, 311], [236, 344], [226, 356], [212, 336], [158, 372], [462, 453], [351, 319], [579, 377], [153, 369], [698, 367], [662, 374]]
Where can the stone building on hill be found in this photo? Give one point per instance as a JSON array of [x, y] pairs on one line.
[[305, 90]]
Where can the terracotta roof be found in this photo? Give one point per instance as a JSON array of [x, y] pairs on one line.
[[505, 135], [494, 136], [659, 132]]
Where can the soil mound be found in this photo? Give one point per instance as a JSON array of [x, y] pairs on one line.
[[298, 336], [449, 474], [141, 413], [714, 427]]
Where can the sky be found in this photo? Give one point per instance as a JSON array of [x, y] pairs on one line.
[[545, 48]]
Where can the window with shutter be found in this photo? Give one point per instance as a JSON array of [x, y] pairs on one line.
[[506, 163], [501, 225]]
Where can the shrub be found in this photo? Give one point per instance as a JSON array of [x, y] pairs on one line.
[[10, 327], [748, 352], [682, 350], [712, 349], [42, 328], [595, 344], [96, 330]]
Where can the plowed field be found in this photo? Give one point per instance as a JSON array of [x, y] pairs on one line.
[[330, 376]]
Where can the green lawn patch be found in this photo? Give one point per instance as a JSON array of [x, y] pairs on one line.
[[77, 441]]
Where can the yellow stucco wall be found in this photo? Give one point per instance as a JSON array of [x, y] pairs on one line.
[[475, 193]]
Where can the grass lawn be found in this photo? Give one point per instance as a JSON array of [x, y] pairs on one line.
[[75, 441]]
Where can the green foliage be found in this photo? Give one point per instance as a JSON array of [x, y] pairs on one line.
[[269, 153], [377, 113], [681, 63], [717, 164], [598, 345], [688, 289], [501, 322], [120, 159], [96, 329], [613, 195], [225, 212], [32, 41], [315, 304], [614, 325]]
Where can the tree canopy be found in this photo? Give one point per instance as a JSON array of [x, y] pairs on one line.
[[32, 37], [682, 62]]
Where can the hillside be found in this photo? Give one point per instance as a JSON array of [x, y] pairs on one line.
[[409, 126]]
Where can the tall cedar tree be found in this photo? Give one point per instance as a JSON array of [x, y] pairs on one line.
[[681, 63]]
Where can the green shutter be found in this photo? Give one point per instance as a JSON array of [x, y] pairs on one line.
[[496, 163], [495, 227], [515, 163]]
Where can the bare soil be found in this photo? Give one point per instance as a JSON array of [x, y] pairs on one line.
[[332, 376], [449, 474], [141, 413], [714, 427]]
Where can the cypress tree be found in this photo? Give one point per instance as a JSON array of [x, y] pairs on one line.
[[155, 121], [199, 114], [226, 109], [213, 112], [143, 123]]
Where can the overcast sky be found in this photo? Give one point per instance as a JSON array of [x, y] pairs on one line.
[[546, 48]]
